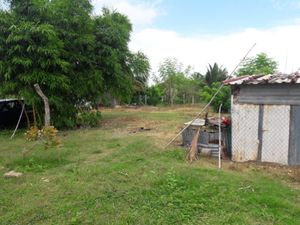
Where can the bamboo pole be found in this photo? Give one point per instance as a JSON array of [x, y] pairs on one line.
[[213, 97]]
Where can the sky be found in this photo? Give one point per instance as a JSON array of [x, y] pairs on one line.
[[202, 32], [199, 32]]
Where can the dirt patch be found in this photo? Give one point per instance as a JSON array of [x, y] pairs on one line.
[[139, 129], [291, 173]]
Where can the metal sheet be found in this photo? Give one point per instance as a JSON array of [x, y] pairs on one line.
[[244, 132], [294, 142], [275, 141], [275, 94]]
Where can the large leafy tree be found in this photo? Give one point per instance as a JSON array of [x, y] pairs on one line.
[[215, 73], [260, 64], [76, 58], [75, 27], [32, 53], [112, 34]]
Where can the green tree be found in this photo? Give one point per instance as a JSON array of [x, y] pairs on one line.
[[51, 43], [112, 33], [75, 57], [260, 64], [197, 84], [140, 68], [170, 72], [215, 73], [33, 55], [75, 26]]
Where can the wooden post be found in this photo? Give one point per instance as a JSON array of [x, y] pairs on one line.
[[46, 103]]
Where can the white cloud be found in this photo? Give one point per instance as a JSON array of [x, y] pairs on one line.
[[139, 13], [280, 43], [279, 4]]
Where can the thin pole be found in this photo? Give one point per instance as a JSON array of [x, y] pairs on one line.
[[220, 136], [213, 97], [23, 107]]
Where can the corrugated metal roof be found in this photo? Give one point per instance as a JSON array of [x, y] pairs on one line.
[[8, 100], [279, 78]]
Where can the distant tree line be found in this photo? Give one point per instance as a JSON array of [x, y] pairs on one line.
[[176, 85]]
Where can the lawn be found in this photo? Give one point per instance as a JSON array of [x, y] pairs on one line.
[[116, 174]]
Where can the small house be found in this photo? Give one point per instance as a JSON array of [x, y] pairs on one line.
[[265, 114]]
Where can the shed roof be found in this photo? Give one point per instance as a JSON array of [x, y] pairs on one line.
[[279, 78]]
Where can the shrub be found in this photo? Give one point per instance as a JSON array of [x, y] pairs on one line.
[[88, 118], [154, 95], [47, 135], [223, 97]]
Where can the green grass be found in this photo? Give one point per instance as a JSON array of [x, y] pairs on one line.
[[111, 176]]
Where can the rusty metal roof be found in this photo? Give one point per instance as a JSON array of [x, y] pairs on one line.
[[279, 78]]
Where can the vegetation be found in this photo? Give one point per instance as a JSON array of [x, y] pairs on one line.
[[223, 97], [75, 57], [260, 64], [215, 74], [109, 175], [178, 85], [181, 86], [88, 118], [85, 59]]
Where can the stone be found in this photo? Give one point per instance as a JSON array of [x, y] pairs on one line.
[[13, 173]]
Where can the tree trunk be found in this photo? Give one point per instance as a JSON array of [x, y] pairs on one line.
[[114, 102], [193, 100], [46, 104]]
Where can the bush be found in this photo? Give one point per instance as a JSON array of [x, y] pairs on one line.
[[154, 95], [88, 118], [47, 135], [223, 97]]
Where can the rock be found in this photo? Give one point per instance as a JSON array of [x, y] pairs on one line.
[[45, 180], [13, 174]]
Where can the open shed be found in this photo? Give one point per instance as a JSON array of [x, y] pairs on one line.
[[265, 113]]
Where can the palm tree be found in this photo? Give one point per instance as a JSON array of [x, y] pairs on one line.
[[215, 74]]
